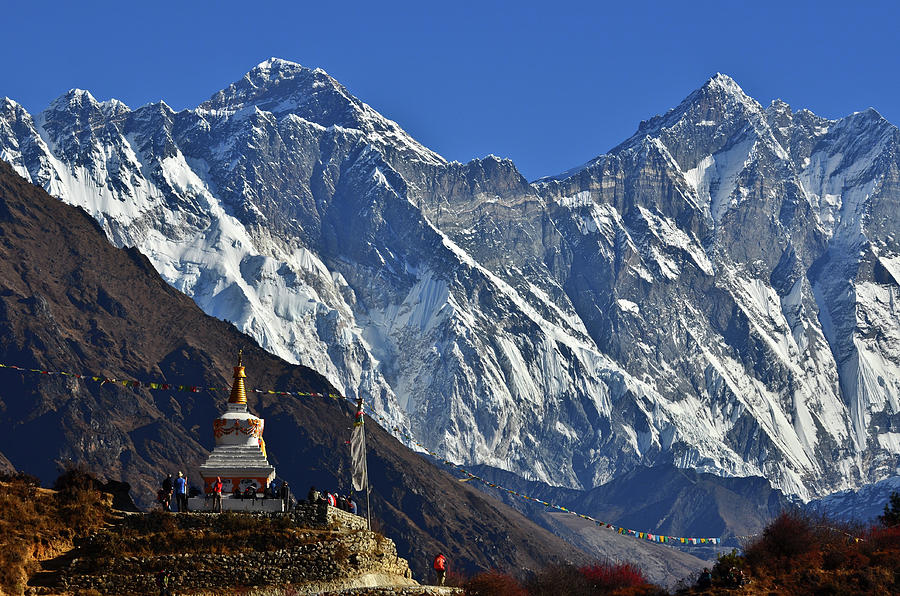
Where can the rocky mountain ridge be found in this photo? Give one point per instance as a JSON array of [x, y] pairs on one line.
[[717, 292]]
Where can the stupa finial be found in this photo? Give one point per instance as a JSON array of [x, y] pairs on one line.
[[238, 393]]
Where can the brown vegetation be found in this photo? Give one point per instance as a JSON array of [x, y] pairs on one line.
[[801, 554], [37, 523], [614, 579], [158, 533]]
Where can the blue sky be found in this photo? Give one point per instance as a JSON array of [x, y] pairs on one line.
[[547, 84]]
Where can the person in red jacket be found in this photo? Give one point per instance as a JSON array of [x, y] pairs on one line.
[[217, 495], [440, 568]]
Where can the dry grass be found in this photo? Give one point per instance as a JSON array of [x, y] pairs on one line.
[[129, 542], [37, 523]]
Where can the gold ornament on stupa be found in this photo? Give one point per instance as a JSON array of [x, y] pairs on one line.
[[238, 393]]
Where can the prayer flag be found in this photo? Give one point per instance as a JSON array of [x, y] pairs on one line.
[[358, 454]]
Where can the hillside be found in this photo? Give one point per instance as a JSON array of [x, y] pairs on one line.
[[38, 524], [70, 301], [669, 500]]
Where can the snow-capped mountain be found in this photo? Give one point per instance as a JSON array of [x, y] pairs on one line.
[[718, 291], [864, 505]]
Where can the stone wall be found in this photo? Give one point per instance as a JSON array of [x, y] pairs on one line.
[[327, 547], [303, 515], [322, 516]]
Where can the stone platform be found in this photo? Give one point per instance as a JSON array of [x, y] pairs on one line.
[[315, 549], [232, 503], [317, 515]]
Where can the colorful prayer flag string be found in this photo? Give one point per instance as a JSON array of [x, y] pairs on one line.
[[386, 425]]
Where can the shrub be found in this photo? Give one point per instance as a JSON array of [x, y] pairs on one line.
[[622, 579], [20, 478], [879, 539], [610, 577], [557, 580], [724, 563], [74, 479], [790, 536], [493, 583], [14, 556], [79, 509]]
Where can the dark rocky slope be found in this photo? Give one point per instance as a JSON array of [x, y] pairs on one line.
[[662, 499]]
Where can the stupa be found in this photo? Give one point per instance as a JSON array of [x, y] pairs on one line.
[[239, 457]]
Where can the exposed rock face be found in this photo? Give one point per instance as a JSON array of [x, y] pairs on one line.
[[717, 292], [864, 505]]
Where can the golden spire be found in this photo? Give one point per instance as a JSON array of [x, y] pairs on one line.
[[238, 393]]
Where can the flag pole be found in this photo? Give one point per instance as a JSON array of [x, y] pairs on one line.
[[359, 407]]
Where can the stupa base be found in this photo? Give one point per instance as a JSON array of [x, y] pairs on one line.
[[232, 503]]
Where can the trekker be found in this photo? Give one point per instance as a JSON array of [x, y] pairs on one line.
[[733, 578], [181, 492], [313, 495], [285, 496], [332, 500], [217, 495], [353, 508], [164, 583], [165, 495], [704, 582], [440, 568]]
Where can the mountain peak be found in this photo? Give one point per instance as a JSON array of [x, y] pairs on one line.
[[73, 99], [275, 69], [279, 86], [718, 104], [10, 104], [282, 87], [870, 113], [724, 83], [722, 89], [275, 62]]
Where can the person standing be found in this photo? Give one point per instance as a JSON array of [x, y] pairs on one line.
[[440, 568], [285, 496], [165, 497], [217, 495], [181, 492], [164, 583]]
